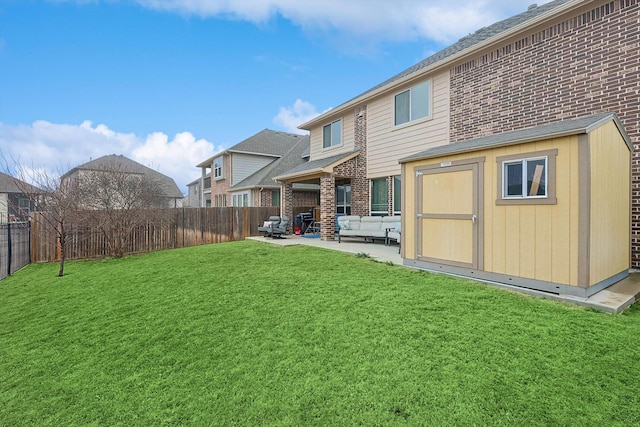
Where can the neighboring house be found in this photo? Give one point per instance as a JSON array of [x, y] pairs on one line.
[[242, 175], [263, 190], [194, 193], [561, 60], [15, 204], [170, 194]]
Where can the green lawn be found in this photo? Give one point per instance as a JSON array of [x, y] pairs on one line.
[[248, 333]]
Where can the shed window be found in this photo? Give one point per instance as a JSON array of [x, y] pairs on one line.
[[527, 178]]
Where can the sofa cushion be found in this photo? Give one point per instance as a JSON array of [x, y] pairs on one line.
[[352, 220], [371, 223]]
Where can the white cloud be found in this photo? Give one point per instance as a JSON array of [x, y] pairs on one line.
[[366, 20], [59, 147], [289, 118]]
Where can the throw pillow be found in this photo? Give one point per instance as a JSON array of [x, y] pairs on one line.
[[267, 224], [344, 225]]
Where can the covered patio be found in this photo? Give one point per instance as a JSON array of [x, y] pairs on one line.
[[333, 174]]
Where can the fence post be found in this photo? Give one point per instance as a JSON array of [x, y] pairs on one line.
[[9, 249], [29, 238]]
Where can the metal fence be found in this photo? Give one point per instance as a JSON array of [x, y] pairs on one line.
[[15, 247]]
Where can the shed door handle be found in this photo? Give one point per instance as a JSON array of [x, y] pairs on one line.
[[473, 218]]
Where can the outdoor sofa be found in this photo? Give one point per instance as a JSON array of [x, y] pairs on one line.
[[369, 227]]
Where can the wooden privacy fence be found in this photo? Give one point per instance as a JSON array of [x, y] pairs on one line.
[[179, 228]]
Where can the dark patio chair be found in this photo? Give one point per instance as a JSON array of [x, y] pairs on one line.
[[268, 226], [281, 228]]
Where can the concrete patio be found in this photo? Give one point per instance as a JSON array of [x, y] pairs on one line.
[[614, 299]]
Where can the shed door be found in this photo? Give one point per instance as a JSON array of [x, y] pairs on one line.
[[448, 214]]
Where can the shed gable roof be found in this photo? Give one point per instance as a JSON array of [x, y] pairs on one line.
[[552, 130]]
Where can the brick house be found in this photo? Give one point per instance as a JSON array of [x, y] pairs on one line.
[[562, 60], [243, 174]]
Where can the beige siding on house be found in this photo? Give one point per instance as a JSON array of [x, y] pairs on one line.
[[247, 164], [610, 221], [387, 143], [347, 146], [4, 207]]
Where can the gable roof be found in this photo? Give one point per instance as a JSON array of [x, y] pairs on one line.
[[267, 142], [463, 46], [167, 184], [9, 184], [562, 128], [319, 166], [264, 177]]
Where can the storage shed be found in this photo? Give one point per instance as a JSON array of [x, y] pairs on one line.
[[544, 208]]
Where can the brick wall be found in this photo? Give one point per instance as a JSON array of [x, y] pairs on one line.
[[359, 182], [589, 63], [327, 206], [305, 198], [222, 186]]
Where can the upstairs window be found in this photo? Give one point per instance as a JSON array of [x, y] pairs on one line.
[[413, 104], [332, 134], [217, 168]]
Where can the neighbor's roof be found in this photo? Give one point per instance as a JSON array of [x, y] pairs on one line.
[[465, 45], [264, 177], [168, 185], [317, 166], [553, 130], [9, 184], [267, 142]]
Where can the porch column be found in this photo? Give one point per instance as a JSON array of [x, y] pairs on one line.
[[286, 200], [327, 206]]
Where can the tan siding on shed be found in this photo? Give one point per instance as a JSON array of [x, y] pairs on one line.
[[532, 241], [609, 229], [387, 143]]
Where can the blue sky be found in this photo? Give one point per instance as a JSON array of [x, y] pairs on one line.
[[169, 83]]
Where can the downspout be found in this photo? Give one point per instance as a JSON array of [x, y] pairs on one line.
[[260, 193]]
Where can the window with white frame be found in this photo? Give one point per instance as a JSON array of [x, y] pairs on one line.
[[379, 196], [241, 199], [217, 168], [397, 194], [413, 104], [332, 134], [527, 178]]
